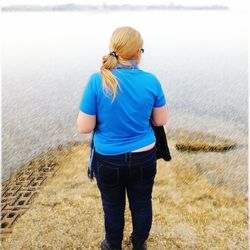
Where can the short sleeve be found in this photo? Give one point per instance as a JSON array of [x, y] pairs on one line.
[[88, 101], [160, 99]]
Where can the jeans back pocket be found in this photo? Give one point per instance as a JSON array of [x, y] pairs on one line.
[[148, 172], [107, 175]]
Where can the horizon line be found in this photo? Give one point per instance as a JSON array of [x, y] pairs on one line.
[[81, 7]]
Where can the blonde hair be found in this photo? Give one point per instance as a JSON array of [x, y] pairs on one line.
[[126, 42]]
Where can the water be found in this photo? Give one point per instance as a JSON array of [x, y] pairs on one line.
[[200, 57]]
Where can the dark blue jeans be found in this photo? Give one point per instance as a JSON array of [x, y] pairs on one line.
[[131, 172]]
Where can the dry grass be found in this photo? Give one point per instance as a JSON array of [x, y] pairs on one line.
[[204, 147], [189, 212]]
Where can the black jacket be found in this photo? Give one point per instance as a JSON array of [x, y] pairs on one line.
[[161, 144]]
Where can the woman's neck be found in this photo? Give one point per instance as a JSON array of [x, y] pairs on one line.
[[133, 63]]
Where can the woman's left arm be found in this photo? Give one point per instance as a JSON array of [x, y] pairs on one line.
[[85, 123]]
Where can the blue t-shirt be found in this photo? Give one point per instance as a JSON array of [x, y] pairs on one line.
[[123, 126]]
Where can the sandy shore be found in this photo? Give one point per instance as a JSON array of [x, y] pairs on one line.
[[199, 202]]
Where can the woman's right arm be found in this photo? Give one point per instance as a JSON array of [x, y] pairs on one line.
[[160, 116]]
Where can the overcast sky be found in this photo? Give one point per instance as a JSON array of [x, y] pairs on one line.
[[234, 4]]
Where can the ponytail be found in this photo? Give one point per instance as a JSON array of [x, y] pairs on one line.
[[108, 79]]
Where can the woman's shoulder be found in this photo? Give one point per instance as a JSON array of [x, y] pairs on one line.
[[96, 76], [148, 73], [151, 76]]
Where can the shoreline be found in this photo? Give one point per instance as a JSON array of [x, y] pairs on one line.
[[191, 206], [176, 137]]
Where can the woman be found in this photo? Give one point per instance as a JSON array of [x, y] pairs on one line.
[[117, 104]]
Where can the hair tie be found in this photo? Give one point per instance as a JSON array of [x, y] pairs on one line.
[[113, 53]]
